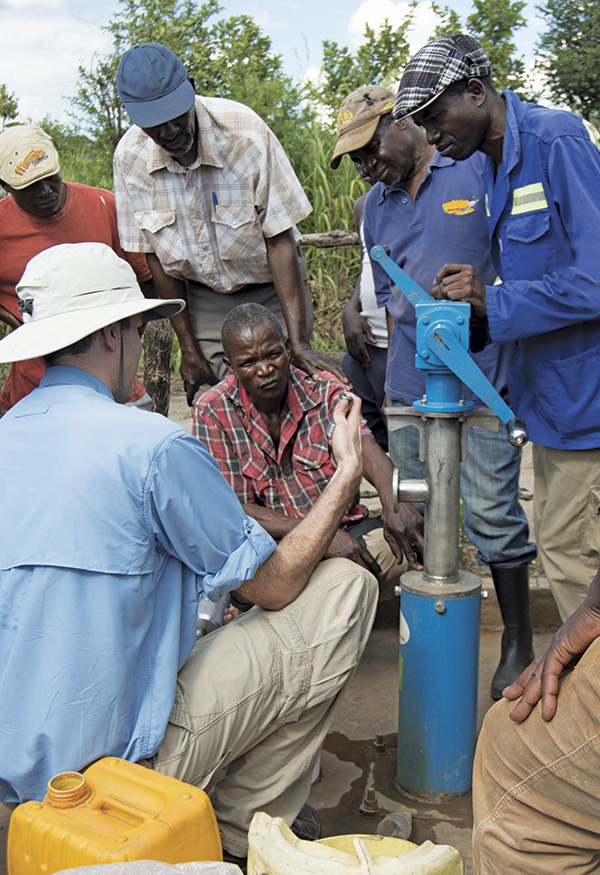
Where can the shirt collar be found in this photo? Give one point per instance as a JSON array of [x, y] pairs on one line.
[[437, 160], [511, 147], [208, 150], [300, 396], [67, 375]]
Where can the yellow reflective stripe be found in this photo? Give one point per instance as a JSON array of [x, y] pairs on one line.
[[487, 207], [529, 198], [592, 132]]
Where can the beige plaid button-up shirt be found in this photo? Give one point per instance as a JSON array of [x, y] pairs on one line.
[[207, 222]]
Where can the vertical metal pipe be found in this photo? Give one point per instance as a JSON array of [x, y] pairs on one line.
[[442, 473]]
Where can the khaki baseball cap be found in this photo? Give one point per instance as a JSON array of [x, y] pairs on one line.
[[27, 154], [358, 118]]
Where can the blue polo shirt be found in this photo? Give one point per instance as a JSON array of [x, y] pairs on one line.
[[446, 223], [114, 521]]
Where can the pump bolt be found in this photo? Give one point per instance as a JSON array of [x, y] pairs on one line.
[[369, 805], [381, 748], [440, 606]]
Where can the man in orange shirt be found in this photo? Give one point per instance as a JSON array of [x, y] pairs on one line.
[[42, 211]]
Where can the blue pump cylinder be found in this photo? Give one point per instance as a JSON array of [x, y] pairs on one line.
[[437, 705]]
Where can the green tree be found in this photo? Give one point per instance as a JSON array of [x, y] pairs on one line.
[[9, 107], [570, 53], [449, 20], [492, 23], [378, 60], [81, 158], [98, 103]]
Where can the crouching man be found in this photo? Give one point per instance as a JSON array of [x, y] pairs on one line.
[[114, 523], [266, 425]]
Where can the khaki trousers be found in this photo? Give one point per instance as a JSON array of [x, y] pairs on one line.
[[566, 510], [256, 698], [536, 786], [381, 551]]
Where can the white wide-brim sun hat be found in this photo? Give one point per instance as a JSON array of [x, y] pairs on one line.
[[69, 291]]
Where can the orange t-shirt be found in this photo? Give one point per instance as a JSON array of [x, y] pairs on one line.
[[88, 216]]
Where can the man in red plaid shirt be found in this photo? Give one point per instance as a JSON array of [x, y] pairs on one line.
[[265, 425]]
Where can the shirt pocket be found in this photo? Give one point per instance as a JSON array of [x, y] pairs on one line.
[[154, 220], [160, 227], [569, 398], [526, 246], [315, 462], [590, 539], [238, 233], [256, 472]]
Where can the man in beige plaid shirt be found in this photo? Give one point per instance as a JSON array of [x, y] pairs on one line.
[[204, 188]]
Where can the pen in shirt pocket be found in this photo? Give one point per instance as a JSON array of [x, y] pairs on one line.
[[215, 202]]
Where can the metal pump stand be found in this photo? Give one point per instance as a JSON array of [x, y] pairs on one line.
[[440, 610]]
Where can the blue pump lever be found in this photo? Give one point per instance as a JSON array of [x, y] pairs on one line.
[[446, 345]]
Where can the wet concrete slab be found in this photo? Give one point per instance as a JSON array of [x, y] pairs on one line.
[[351, 758]]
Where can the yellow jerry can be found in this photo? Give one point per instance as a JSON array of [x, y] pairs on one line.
[[116, 811]]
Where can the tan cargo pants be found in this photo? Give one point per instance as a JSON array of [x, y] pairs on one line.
[[255, 699], [566, 509]]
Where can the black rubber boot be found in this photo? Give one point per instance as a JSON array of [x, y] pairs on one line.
[[512, 589]]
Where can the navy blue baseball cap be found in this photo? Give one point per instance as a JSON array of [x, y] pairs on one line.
[[153, 85]]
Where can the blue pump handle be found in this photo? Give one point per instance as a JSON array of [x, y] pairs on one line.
[[446, 345]]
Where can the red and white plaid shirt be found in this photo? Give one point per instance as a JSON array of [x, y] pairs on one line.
[[291, 477]]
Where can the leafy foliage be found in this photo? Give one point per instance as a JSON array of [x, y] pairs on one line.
[[492, 23], [570, 53], [449, 20], [81, 158], [332, 273], [377, 61], [98, 102], [9, 105]]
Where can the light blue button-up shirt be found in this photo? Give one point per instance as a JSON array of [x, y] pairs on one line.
[[114, 521]]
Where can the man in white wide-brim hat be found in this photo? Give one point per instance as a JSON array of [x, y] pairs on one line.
[[64, 304], [114, 523]]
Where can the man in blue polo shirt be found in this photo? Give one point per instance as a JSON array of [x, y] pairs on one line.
[[426, 208], [541, 177]]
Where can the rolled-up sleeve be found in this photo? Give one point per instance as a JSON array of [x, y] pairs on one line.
[[196, 517]]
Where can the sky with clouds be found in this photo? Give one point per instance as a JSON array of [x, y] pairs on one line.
[[43, 45]]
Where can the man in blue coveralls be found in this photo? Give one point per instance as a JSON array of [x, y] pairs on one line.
[[426, 208], [113, 525], [541, 170], [536, 803]]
